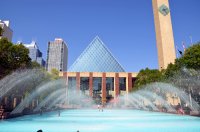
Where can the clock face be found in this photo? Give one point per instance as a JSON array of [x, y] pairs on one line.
[[164, 9]]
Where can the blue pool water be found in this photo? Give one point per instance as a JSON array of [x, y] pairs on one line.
[[106, 121]]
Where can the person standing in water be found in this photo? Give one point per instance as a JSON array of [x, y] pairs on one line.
[[98, 107]]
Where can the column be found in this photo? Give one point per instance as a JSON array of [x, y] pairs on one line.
[[130, 85], [67, 84], [116, 88], [14, 102], [91, 84], [65, 74], [78, 81], [103, 88]]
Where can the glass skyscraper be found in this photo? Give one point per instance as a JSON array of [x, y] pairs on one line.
[[96, 58], [34, 53]]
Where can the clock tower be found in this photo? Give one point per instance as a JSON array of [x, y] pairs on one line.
[[164, 33]]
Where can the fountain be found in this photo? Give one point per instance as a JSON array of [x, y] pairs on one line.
[[149, 107], [155, 94], [21, 79], [49, 98], [41, 88]]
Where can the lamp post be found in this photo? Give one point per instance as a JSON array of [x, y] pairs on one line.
[[67, 91], [190, 97], [198, 98], [173, 97]]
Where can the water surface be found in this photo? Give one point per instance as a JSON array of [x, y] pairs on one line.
[[106, 121]]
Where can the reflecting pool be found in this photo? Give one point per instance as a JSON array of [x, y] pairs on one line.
[[92, 120]]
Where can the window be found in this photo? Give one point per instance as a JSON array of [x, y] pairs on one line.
[[122, 83]]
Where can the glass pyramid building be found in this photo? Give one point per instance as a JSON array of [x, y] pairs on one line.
[[96, 58]]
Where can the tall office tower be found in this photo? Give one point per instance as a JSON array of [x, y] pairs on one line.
[[34, 53], [164, 33], [7, 32], [57, 55]]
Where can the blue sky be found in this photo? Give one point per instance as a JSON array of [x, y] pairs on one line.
[[125, 26]]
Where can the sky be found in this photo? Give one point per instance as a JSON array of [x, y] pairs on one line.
[[125, 26]]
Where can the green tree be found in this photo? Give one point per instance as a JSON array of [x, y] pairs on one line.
[[172, 69], [34, 64], [191, 57], [12, 57], [190, 60], [55, 73], [148, 76]]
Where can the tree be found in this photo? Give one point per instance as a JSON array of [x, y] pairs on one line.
[[55, 73], [12, 57], [190, 60], [172, 69], [148, 76], [191, 57], [34, 64]]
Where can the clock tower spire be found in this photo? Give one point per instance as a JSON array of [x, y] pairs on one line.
[[164, 33]]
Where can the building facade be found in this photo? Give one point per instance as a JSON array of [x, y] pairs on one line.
[[96, 73], [57, 55], [7, 32], [34, 53], [101, 86], [164, 33]]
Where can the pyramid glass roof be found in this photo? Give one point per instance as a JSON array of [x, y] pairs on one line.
[[96, 58]]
